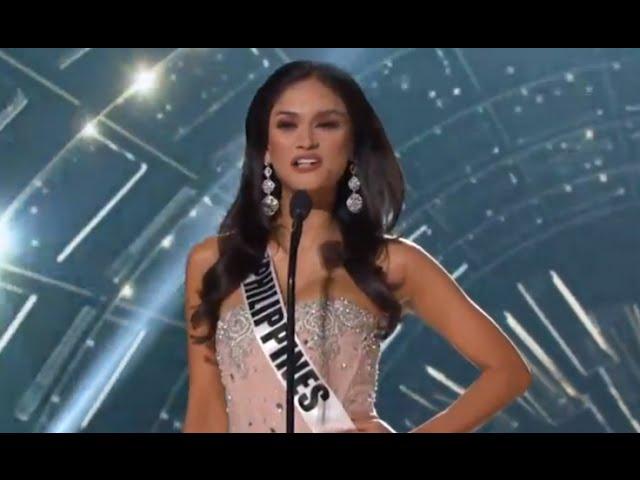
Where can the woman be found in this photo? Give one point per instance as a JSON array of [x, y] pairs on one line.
[[310, 127]]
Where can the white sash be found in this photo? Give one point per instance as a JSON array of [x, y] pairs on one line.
[[313, 398]]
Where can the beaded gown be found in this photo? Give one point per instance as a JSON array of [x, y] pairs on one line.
[[337, 335]]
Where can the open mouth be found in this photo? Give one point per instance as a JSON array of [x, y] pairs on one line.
[[303, 164]]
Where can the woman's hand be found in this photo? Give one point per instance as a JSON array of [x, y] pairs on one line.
[[370, 426]]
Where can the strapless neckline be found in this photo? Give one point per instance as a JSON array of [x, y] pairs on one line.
[[300, 304]]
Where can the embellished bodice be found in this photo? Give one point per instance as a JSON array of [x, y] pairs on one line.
[[337, 335]]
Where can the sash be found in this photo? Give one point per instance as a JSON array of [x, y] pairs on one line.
[[313, 398]]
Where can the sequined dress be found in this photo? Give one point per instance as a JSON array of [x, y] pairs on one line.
[[338, 337]]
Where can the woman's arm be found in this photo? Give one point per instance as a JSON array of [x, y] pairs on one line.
[[206, 406], [435, 297]]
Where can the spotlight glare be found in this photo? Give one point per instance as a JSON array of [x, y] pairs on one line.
[[6, 243], [127, 291], [145, 81], [167, 241], [90, 130]]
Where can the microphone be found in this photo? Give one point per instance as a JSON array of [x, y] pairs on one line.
[[300, 205], [299, 209]]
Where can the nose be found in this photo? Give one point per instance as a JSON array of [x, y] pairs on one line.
[[306, 139]]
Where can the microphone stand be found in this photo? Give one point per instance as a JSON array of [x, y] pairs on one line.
[[296, 233]]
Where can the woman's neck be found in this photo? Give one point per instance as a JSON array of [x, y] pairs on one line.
[[318, 228]]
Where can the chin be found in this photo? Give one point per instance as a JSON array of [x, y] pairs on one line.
[[309, 182]]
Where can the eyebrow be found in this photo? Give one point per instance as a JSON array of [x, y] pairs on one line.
[[323, 112]]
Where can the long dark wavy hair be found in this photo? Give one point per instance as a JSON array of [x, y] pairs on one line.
[[245, 229]]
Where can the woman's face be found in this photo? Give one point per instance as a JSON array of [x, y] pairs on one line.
[[309, 121]]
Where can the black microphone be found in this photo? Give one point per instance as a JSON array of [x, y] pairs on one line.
[[299, 209], [300, 205]]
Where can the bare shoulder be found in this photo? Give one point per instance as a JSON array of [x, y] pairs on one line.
[[204, 254], [397, 255], [413, 260], [206, 251], [407, 264], [200, 258], [407, 250]]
